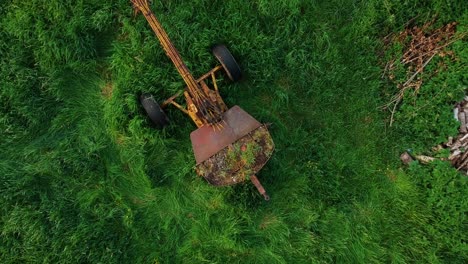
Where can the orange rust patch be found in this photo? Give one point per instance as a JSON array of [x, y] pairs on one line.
[[243, 148]]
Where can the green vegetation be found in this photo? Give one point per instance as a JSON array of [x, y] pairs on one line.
[[85, 179]]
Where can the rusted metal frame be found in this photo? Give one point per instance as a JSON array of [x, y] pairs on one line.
[[214, 94], [181, 108], [196, 93], [193, 111], [168, 47], [205, 88], [171, 99], [200, 99], [255, 181], [211, 112], [218, 96], [215, 85], [206, 75], [174, 103], [259, 187]]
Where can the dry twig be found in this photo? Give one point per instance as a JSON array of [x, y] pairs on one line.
[[420, 47]]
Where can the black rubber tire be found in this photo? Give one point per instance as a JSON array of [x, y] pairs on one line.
[[228, 62], [154, 111]]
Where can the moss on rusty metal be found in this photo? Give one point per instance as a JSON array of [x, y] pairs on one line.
[[239, 160]]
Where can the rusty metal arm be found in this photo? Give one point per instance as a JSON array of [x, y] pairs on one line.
[[206, 75], [218, 96], [208, 112], [259, 186], [170, 99]]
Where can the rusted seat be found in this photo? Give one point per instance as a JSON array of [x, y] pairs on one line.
[[207, 141]]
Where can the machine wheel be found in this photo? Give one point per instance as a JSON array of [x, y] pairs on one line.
[[228, 62], [154, 111]]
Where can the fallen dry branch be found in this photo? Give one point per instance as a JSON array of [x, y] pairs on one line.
[[420, 46], [418, 71], [397, 99]]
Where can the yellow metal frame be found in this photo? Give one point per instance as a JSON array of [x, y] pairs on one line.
[[204, 105]]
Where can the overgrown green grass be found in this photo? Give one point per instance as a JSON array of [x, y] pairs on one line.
[[85, 178]]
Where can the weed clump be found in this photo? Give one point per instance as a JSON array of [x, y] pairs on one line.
[[239, 160]]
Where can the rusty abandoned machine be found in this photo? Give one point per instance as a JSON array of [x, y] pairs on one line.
[[230, 146]]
